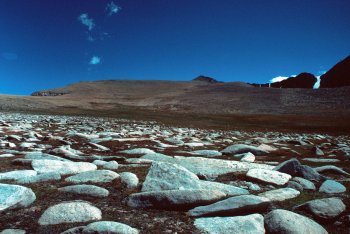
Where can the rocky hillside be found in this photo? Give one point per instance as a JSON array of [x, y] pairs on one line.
[[303, 80], [337, 76], [82, 175]]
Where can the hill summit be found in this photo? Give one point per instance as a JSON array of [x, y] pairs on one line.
[[206, 79]]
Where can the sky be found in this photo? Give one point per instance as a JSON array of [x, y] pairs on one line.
[[52, 43]]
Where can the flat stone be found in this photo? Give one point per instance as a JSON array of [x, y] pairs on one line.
[[15, 196], [287, 222], [322, 160], [326, 209], [295, 185], [174, 199], [269, 176], [16, 175], [281, 194], [50, 176], [242, 148], [138, 151], [74, 230], [64, 168], [13, 231], [41, 156], [250, 224], [331, 186], [248, 157], [208, 153], [98, 176], [129, 179], [70, 212], [85, 189], [229, 190], [239, 205], [109, 227], [306, 184], [332, 169]]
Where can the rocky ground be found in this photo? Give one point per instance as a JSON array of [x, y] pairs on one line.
[[98, 175]]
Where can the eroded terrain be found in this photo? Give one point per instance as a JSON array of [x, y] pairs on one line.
[[60, 172]]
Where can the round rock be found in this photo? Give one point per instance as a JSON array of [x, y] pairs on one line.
[[109, 227]]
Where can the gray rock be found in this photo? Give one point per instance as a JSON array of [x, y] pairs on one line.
[[229, 190], [290, 167], [84, 189], [138, 151], [331, 186], [326, 209], [322, 160], [174, 199], [239, 205], [250, 224], [50, 176], [295, 185], [242, 148], [98, 176], [17, 175], [287, 222], [248, 157], [15, 196], [318, 151], [74, 230], [309, 173], [129, 179], [269, 176], [40, 156], [109, 227], [111, 165], [70, 212], [13, 231], [331, 168], [208, 153], [281, 194], [64, 168], [166, 176], [306, 184]]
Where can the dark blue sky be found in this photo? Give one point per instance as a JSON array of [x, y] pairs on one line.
[[44, 43]]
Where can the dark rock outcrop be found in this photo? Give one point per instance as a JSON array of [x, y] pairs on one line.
[[303, 80], [206, 79], [337, 76], [47, 93]]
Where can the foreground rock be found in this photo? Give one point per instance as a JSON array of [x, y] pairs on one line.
[[281, 194], [269, 176], [323, 209], [85, 189], [174, 199], [15, 196], [70, 212], [331, 186], [284, 221], [250, 224], [63, 168], [242, 148], [129, 179], [109, 227], [245, 204], [167, 176], [98, 176]]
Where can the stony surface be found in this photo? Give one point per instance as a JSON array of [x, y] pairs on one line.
[[283, 221], [145, 155], [250, 224], [269, 176], [174, 199], [70, 212], [245, 204], [15, 196]]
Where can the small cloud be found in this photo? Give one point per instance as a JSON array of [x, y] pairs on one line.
[[280, 78], [9, 56], [321, 72], [112, 8], [95, 60], [85, 20]]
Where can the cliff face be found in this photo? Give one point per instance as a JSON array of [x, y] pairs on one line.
[[337, 76], [303, 80]]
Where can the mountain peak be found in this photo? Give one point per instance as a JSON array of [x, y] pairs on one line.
[[337, 76], [206, 79]]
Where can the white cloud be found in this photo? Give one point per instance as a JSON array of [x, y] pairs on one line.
[[112, 8], [95, 60], [280, 78], [85, 20]]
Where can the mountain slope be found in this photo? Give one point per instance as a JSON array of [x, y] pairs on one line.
[[337, 76]]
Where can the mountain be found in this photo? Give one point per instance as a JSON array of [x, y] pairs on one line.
[[337, 76], [206, 79], [303, 80]]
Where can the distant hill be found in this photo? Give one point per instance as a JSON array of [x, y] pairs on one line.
[[303, 80], [337, 76], [206, 79]]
